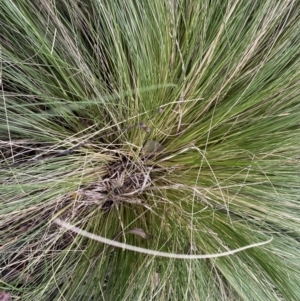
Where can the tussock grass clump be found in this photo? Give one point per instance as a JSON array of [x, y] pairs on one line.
[[170, 126]]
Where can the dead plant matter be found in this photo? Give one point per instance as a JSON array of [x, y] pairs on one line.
[[124, 182]]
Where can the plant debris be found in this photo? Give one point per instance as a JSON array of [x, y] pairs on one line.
[[124, 182]]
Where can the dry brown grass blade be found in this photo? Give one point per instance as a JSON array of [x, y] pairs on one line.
[[153, 252], [136, 231]]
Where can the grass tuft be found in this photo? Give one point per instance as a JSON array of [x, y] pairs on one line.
[[170, 126]]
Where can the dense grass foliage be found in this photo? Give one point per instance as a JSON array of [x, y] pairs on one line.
[[171, 125]]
